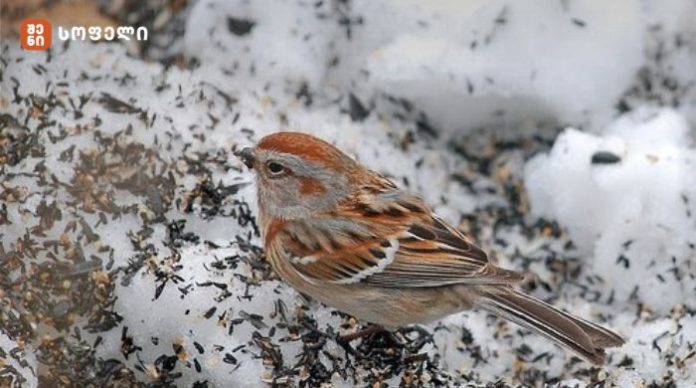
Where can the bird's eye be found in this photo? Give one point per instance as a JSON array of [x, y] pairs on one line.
[[275, 168]]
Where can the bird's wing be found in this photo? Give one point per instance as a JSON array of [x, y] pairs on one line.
[[414, 249]]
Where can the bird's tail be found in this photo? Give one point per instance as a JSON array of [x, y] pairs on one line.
[[583, 337]]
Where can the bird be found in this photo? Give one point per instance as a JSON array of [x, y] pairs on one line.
[[347, 236]]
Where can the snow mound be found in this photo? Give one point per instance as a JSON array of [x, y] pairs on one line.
[[464, 64], [628, 200]]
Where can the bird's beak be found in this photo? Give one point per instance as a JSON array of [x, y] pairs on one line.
[[247, 156]]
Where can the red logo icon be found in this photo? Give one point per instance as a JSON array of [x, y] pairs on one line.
[[35, 34]]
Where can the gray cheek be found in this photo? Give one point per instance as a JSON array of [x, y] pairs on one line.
[[282, 197], [277, 193], [329, 198], [286, 193], [280, 200]]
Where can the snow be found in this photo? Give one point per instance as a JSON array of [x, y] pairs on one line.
[[298, 56], [482, 62], [18, 366], [635, 217], [464, 64], [156, 258], [186, 319]]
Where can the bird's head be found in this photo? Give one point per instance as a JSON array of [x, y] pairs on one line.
[[299, 175]]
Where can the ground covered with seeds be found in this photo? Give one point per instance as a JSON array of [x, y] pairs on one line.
[[129, 250]]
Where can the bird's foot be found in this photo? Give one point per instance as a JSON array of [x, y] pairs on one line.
[[414, 343]]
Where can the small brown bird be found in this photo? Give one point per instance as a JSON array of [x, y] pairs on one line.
[[350, 238]]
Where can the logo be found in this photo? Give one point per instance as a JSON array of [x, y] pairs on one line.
[[35, 34]]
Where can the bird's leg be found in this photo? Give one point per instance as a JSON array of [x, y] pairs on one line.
[[347, 338], [395, 340], [389, 338], [415, 344]]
